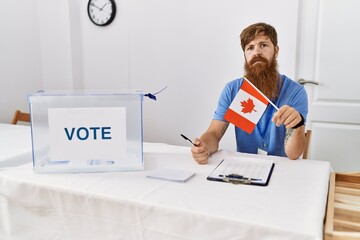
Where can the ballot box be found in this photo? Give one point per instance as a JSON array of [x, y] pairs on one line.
[[86, 131], [343, 207]]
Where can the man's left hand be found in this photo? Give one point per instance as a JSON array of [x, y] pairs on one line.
[[288, 116]]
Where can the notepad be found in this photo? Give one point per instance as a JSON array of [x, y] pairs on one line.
[[241, 170], [171, 174]]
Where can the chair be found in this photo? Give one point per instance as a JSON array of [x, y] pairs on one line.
[[20, 117], [307, 143]]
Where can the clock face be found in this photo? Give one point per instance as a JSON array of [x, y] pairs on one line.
[[101, 12]]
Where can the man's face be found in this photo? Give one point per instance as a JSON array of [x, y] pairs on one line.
[[261, 46], [261, 65]]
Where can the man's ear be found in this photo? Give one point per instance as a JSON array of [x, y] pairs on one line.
[[277, 51], [245, 57]]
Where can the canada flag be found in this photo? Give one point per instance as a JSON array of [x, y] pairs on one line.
[[247, 107]]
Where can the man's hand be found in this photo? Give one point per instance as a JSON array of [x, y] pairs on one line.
[[208, 143], [295, 138], [288, 116], [200, 151]]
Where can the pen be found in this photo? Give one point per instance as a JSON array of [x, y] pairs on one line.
[[187, 139], [237, 176]]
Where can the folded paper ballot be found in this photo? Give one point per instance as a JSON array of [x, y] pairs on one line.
[[174, 175]]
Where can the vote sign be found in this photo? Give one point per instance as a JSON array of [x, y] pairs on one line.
[[87, 133]]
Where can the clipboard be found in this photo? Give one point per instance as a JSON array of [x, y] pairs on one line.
[[239, 170]]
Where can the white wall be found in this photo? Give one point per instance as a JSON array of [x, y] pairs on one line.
[[20, 55], [190, 46], [193, 47]]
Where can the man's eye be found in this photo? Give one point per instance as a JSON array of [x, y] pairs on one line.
[[263, 45], [249, 48]]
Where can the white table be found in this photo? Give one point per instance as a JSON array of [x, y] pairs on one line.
[[128, 205], [15, 145]]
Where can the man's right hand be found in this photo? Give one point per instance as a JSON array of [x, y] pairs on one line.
[[200, 151]]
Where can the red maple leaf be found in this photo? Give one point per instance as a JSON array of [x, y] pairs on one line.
[[247, 106]]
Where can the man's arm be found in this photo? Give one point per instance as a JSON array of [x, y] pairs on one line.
[[208, 143], [294, 142], [295, 138]]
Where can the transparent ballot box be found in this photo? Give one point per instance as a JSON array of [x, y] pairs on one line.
[[86, 131]]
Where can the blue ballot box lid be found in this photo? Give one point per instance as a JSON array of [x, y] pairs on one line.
[[86, 131]]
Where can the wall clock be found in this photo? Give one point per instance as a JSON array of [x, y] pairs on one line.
[[101, 12]]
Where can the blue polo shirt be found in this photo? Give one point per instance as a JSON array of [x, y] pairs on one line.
[[266, 135]]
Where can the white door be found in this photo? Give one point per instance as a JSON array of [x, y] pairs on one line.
[[329, 54]]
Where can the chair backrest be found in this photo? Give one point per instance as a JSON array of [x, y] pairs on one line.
[[307, 143], [20, 116]]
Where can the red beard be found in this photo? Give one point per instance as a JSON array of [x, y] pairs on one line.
[[263, 75]]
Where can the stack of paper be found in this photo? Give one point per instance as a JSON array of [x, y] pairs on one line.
[[171, 175]]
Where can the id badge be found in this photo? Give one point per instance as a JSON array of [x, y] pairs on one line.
[[262, 152]]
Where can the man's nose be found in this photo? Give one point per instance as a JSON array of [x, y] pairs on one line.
[[257, 51]]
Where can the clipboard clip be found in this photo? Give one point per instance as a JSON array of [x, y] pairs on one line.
[[235, 178]]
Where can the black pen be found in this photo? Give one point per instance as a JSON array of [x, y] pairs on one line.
[[188, 139], [237, 176]]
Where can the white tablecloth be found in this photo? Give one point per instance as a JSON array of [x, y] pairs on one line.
[[128, 205], [15, 145]]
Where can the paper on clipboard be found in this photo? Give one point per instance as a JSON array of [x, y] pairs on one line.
[[241, 170]]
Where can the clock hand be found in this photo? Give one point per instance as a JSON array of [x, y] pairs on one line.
[[93, 4], [103, 6]]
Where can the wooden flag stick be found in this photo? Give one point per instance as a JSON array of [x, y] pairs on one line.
[[277, 109]]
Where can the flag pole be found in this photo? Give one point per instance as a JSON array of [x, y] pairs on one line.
[[277, 109]]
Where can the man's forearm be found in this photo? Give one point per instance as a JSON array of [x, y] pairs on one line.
[[294, 142], [211, 142], [213, 135]]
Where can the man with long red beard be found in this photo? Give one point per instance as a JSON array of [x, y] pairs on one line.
[[278, 132]]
